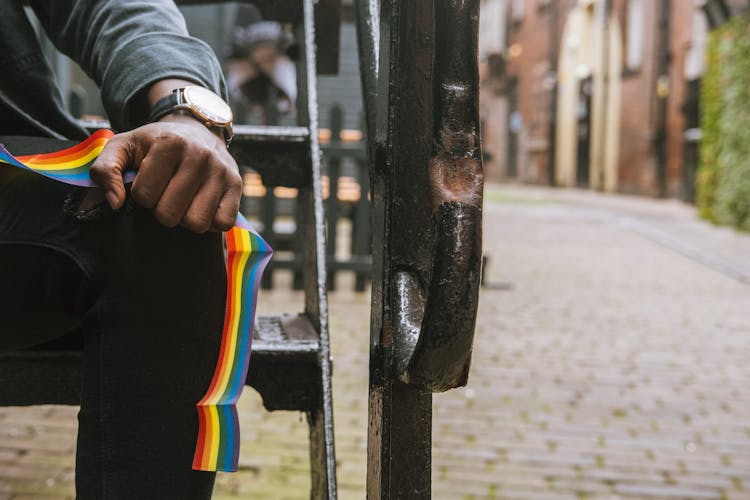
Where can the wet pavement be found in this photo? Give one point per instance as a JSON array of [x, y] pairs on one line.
[[612, 361]]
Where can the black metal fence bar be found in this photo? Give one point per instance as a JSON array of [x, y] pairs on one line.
[[271, 207]]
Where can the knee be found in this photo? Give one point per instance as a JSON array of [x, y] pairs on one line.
[[146, 261]]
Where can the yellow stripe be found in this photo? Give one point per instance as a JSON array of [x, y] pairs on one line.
[[226, 366], [212, 453], [212, 398], [41, 166], [46, 158]]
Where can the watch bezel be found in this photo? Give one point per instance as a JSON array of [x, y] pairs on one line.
[[189, 99]]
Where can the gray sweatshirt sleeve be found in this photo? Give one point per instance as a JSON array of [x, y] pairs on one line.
[[125, 46]]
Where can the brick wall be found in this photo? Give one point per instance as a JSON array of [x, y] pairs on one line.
[[532, 58], [532, 51], [637, 164]]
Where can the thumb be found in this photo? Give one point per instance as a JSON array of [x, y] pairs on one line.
[[106, 172]]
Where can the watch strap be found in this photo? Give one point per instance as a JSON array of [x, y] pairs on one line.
[[172, 101], [164, 106]]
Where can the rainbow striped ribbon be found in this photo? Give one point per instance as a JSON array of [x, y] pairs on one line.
[[217, 448]]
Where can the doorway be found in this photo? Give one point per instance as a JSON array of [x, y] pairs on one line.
[[583, 149], [587, 135], [514, 128]]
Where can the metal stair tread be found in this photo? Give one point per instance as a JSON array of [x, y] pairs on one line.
[[271, 133], [281, 342], [281, 333], [242, 133]]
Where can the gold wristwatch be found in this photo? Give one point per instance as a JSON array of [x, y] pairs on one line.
[[204, 105]]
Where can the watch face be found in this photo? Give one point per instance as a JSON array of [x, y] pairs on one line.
[[208, 105]]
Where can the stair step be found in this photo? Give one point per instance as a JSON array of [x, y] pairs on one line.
[[281, 155], [271, 134], [278, 335], [283, 367]]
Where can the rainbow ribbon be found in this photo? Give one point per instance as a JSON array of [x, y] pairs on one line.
[[217, 448]]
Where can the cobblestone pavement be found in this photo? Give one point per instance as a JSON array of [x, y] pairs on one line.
[[612, 361]]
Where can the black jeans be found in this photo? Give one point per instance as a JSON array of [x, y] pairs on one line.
[[149, 302]]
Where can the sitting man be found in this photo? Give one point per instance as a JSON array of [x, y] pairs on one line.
[[142, 274]]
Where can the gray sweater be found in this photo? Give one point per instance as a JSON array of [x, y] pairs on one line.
[[123, 45]]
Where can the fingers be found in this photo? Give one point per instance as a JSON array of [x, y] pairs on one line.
[[186, 176], [200, 215], [229, 205], [181, 190], [106, 172], [154, 174]]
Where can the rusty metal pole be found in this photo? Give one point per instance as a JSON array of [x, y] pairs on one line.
[[426, 182], [400, 417]]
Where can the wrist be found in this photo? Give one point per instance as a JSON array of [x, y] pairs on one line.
[[182, 116], [161, 89], [199, 103]]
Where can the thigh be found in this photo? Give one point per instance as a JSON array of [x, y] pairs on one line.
[[151, 344], [151, 313]]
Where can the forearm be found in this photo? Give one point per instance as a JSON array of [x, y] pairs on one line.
[[162, 88], [130, 48]]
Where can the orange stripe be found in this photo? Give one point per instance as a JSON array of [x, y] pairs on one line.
[[45, 160], [107, 134], [199, 447], [205, 458], [227, 364], [231, 260]]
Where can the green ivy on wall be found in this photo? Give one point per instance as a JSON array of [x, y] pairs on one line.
[[724, 173]]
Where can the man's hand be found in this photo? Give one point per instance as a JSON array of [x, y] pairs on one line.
[[185, 174]]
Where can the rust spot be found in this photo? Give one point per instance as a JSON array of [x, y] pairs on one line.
[[456, 171], [458, 142], [386, 335]]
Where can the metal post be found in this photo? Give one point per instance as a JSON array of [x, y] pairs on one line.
[[400, 417], [426, 184], [332, 207], [361, 232]]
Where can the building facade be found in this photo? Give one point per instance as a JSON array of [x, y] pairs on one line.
[[593, 93]]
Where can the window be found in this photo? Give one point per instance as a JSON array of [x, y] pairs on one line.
[[517, 10], [634, 35], [492, 28], [696, 52]]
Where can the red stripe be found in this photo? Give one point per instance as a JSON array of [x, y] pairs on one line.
[[231, 245], [43, 159], [200, 445], [103, 133]]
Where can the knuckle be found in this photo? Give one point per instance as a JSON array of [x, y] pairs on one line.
[[223, 223], [203, 154], [173, 140], [234, 180], [198, 223], [166, 217], [103, 167], [143, 196]]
